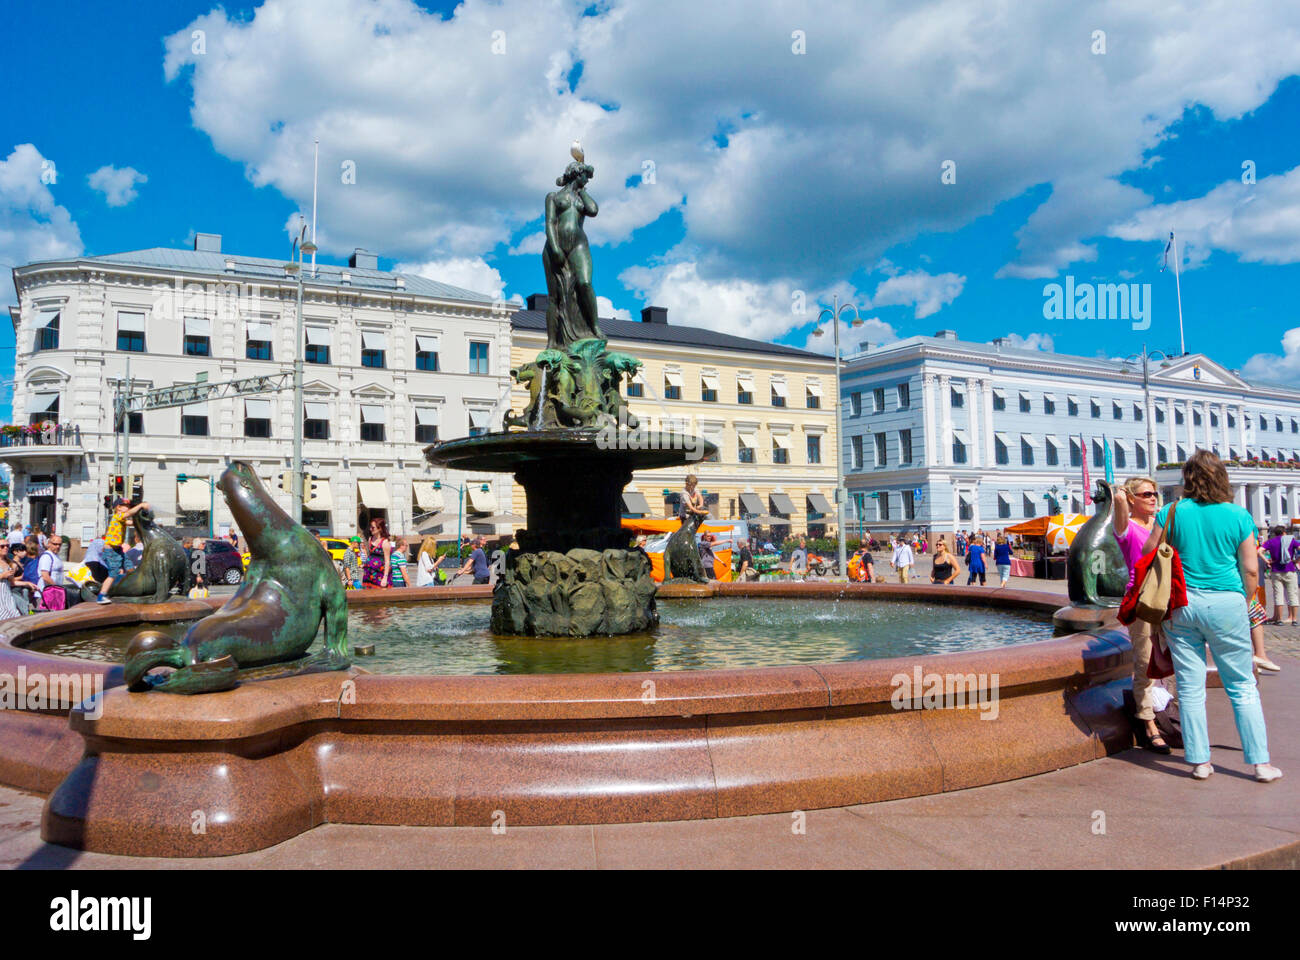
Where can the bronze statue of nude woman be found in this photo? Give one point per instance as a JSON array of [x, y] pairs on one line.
[[566, 259]]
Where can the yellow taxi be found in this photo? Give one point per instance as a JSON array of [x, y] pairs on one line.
[[334, 546]]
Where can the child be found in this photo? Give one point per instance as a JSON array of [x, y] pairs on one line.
[[200, 589], [113, 557]]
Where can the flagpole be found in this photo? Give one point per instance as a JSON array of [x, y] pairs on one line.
[[315, 168], [1182, 345]]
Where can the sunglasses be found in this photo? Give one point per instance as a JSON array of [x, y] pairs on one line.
[[1147, 493]]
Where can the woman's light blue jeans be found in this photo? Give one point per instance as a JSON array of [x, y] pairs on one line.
[[1218, 618], [1004, 571]]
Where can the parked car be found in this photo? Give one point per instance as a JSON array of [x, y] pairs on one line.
[[224, 563]]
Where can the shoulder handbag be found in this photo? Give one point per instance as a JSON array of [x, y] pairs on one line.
[[1157, 579]]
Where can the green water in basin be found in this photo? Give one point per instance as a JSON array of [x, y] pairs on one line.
[[718, 633]]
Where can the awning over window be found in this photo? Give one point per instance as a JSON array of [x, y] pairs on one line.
[[316, 494], [314, 410], [1122, 444], [1030, 439], [1072, 398], [1054, 441], [674, 378], [194, 410], [373, 413], [750, 503], [1049, 397], [426, 344], [426, 416], [960, 436], [259, 330], [819, 503], [193, 495], [130, 322], [480, 500], [373, 494], [999, 393], [257, 409], [710, 381], [779, 388], [42, 402], [1002, 438], [198, 327], [745, 382], [318, 336], [427, 497], [478, 419], [634, 502], [747, 438], [46, 318], [814, 387], [1004, 497], [374, 340], [1026, 396], [781, 440], [784, 505]]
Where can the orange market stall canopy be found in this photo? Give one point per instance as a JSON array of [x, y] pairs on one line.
[[1064, 525], [721, 558]]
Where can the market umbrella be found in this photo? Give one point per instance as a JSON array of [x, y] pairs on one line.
[[1061, 529]]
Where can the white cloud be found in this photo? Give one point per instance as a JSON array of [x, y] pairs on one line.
[[1034, 341], [1275, 368], [117, 185], [873, 331], [829, 159], [1259, 222], [469, 273], [928, 292], [605, 308], [530, 245], [32, 226]]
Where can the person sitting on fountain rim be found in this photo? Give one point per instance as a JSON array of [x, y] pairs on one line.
[[477, 563], [113, 558]]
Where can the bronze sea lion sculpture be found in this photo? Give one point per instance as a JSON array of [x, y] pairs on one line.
[[1095, 569], [681, 555], [290, 588], [164, 565]]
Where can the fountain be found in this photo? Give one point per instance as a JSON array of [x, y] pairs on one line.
[[575, 573]]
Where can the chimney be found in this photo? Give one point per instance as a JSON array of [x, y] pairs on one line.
[[401, 283], [654, 315], [864, 346], [363, 260], [1000, 342], [945, 335], [207, 242], [538, 301]]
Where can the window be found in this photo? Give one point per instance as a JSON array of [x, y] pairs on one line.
[[779, 393], [745, 389], [855, 403], [964, 511], [1024, 403], [47, 331], [999, 400], [194, 420], [478, 422], [814, 448], [1182, 454], [1004, 507], [878, 396], [43, 407], [1277, 422], [478, 356], [1196, 418], [635, 388], [1098, 455], [1137, 411], [958, 451], [780, 449], [257, 418], [909, 505], [1232, 421], [1000, 455], [1095, 409], [1031, 508], [372, 422], [812, 400], [1116, 411], [1071, 407], [1295, 426], [1263, 423], [1178, 416], [905, 446], [1160, 415], [1162, 453], [745, 447], [1076, 453], [882, 505], [1053, 454], [426, 352], [374, 346], [882, 457], [130, 332], [426, 425], [1049, 405], [1119, 456], [709, 388], [957, 397], [318, 345], [856, 443], [672, 386], [197, 346], [258, 349], [1026, 452], [135, 422], [904, 396], [1214, 419], [315, 420], [1140, 453]]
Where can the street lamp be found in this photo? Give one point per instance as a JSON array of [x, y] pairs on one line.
[[301, 246], [1146, 356], [182, 477], [460, 507], [834, 313], [1053, 505]]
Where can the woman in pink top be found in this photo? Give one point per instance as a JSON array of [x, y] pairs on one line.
[[1135, 510]]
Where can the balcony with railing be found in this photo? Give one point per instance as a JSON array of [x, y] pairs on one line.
[[19, 441]]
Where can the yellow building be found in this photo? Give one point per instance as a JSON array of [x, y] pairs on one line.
[[769, 409]]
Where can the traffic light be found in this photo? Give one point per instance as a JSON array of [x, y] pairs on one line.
[[286, 481], [313, 486]]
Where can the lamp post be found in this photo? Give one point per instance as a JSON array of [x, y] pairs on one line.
[[301, 245], [1146, 356], [460, 506], [183, 477], [834, 314], [1053, 505]]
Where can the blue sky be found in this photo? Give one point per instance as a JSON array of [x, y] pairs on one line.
[[777, 170]]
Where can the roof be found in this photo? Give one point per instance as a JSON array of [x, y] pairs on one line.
[[214, 262], [670, 334]]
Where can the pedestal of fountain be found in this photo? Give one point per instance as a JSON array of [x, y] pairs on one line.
[[576, 572]]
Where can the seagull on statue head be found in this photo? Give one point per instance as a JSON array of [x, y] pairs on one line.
[[575, 151]]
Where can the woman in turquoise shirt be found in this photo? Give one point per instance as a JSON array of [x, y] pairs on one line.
[[1215, 540]]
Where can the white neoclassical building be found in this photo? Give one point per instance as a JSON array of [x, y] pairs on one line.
[[393, 362]]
